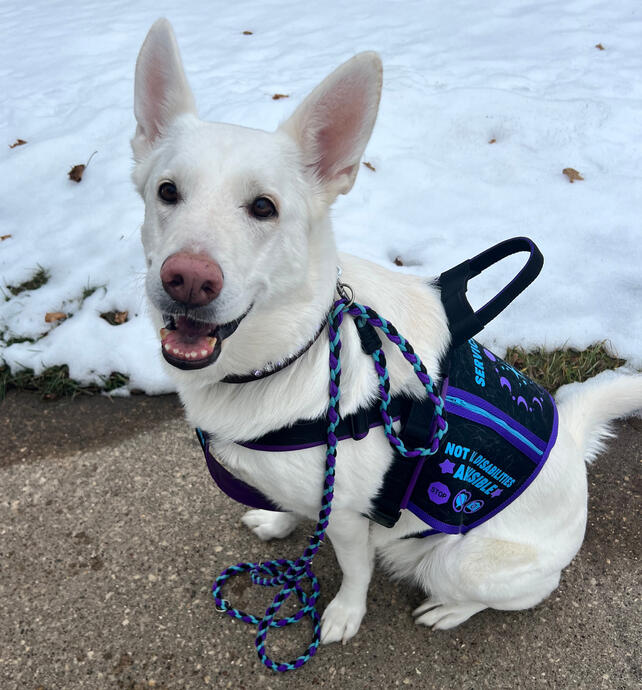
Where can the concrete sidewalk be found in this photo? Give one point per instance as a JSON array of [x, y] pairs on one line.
[[111, 533]]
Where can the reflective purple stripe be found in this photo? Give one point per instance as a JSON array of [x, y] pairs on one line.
[[413, 480], [452, 408], [304, 446], [553, 438], [488, 407]]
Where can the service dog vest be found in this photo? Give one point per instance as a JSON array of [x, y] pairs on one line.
[[501, 428], [501, 424]]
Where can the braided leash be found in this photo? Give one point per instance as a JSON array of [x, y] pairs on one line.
[[289, 575], [365, 315]]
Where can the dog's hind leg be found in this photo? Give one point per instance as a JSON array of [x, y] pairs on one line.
[[442, 616], [349, 533], [270, 524], [469, 575]]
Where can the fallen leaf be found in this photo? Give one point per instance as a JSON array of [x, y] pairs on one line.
[[77, 171], [278, 96], [493, 141], [572, 174], [17, 142], [4, 237], [248, 33], [599, 46], [52, 316], [398, 261], [115, 318], [369, 166]]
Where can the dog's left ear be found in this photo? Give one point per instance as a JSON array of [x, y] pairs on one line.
[[333, 125], [161, 91]]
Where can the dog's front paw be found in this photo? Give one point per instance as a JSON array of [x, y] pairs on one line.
[[270, 524], [340, 621]]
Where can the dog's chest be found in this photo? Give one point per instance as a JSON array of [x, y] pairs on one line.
[[293, 480]]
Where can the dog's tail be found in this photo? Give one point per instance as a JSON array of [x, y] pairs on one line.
[[589, 407]]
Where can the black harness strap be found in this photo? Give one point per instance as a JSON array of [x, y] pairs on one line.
[[307, 434], [464, 323]]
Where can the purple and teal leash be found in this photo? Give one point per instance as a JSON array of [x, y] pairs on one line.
[[289, 575]]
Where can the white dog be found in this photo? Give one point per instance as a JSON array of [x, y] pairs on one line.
[[242, 270]]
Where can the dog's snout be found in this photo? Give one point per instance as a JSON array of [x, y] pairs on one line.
[[192, 279]]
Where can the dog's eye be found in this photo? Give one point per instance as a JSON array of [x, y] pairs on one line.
[[168, 193], [263, 208]]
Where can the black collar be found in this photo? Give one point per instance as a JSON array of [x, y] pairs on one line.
[[273, 368]]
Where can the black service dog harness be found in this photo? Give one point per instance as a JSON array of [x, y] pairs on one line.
[[501, 424]]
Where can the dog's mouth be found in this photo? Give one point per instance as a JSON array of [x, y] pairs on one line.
[[187, 343]]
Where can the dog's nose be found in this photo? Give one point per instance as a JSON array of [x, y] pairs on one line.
[[193, 279]]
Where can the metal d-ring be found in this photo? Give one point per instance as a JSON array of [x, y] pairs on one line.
[[346, 293], [227, 603]]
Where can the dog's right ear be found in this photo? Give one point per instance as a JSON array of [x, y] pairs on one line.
[[161, 91], [333, 124]]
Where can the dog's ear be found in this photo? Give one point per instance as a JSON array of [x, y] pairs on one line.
[[332, 126], [161, 91]]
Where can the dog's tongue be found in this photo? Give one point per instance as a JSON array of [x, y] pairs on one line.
[[190, 341]]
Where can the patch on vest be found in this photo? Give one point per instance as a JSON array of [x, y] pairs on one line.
[[501, 428]]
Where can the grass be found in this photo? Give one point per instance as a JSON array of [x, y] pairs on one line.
[[550, 369], [37, 280], [55, 382], [89, 290], [13, 341]]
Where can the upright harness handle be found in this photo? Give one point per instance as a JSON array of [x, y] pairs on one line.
[[464, 323]]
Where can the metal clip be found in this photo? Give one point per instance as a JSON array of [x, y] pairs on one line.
[[346, 293]]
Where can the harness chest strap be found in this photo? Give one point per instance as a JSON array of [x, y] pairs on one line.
[[302, 435]]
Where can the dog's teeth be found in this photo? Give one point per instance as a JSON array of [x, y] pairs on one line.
[[211, 341], [204, 352], [176, 351], [164, 332], [168, 347]]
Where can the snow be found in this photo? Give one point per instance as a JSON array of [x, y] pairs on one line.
[[458, 75]]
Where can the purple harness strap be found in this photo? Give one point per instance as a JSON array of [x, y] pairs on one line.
[[229, 484], [242, 492]]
